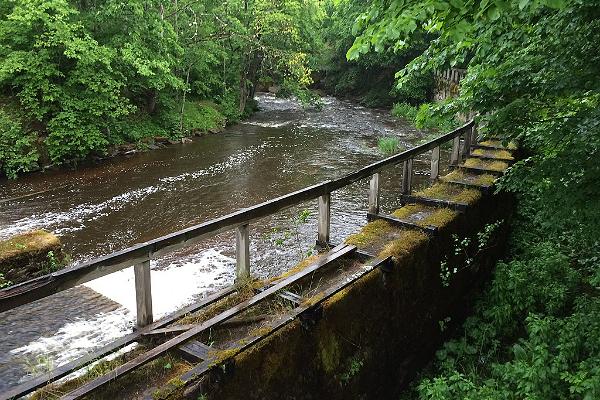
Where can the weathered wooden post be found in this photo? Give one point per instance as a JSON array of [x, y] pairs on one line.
[[435, 162], [466, 150], [143, 293], [407, 168], [242, 253], [324, 219], [374, 194], [455, 150]]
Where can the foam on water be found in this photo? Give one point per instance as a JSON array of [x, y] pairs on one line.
[[76, 218], [173, 287]]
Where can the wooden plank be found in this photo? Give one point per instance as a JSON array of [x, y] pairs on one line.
[[290, 296], [374, 194], [195, 351], [455, 151], [483, 157], [47, 285], [170, 330], [407, 172], [143, 293], [429, 229], [486, 189], [64, 370], [435, 163], [487, 147], [242, 253], [461, 207], [205, 366], [324, 219], [186, 336], [477, 170]]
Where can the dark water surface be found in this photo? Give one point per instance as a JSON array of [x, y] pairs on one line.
[[108, 207]]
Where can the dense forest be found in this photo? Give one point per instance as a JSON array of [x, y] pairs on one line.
[[533, 76], [78, 78]]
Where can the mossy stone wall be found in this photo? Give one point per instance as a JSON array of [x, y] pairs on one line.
[[374, 336]]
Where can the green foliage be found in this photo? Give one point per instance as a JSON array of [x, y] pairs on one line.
[[388, 145], [202, 117], [90, 75], [17, 148], [532, 76], [370, 79], [4, 283], [429, 116]]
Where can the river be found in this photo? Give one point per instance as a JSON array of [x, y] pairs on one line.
[[130, 199]]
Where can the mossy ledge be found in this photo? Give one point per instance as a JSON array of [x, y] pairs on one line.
[[29, 255]]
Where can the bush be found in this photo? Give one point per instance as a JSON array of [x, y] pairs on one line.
[[406, 111], [17, 148], [429, 116], [202, 117]]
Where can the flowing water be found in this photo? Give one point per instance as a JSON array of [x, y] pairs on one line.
[[127, 200]]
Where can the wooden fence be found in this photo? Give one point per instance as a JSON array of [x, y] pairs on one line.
[[140, 255]]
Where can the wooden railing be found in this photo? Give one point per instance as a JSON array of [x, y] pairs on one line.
[[140, 255]]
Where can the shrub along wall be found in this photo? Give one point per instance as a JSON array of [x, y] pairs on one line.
[[374, 335]]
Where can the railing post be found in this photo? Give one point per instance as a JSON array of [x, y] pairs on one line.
[[466, 150], [143, 293], [242, 253], [407, 167], [435, 162], [455, 150], [374, 194], [324, 219]]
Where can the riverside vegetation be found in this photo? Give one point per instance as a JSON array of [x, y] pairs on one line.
[[533, 77], [78, 79]]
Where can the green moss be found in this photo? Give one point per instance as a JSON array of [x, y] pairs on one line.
[[505, 154], [498, 143], [369, 233], [486, 164], [218, 356], [28, 243], [448, 192], [456, 175], [408, 210], [329, 351], [440, 218], [402, 246], [485, 180]]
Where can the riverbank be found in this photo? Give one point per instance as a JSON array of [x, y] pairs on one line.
[[34, 151]]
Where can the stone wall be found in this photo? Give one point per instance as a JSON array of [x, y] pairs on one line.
[[374, 336]]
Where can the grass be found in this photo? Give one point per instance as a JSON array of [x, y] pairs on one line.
[[369, 233], [485, 164], [388, 145], [32, 242], [243, 293], [444, 191], [159, 369]]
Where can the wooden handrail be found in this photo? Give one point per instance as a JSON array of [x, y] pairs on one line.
[[47, 285]]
